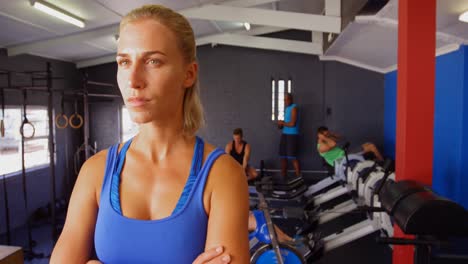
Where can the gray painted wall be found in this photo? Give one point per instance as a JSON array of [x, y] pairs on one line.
[[104, 123], [104, 117], [38, 180], [236, 92], [235, 86], [355, 99]]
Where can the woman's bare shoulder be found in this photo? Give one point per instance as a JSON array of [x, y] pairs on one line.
[[209, 148], [93, 170], [95, 163], [224, 166]]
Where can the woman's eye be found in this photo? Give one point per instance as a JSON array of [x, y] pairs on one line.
[[153, 61], [123, 62]]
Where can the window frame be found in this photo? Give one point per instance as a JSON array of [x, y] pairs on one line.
[[275, 97], [38, 167]]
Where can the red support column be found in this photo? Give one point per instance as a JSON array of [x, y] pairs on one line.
[[415, 99]]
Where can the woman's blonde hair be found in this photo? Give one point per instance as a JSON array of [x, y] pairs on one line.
[[192, 108]]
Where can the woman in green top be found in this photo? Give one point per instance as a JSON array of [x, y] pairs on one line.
[[328, 149]]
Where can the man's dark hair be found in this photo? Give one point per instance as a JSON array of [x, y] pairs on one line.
[[322, 129], [238, 131], [290, 96]]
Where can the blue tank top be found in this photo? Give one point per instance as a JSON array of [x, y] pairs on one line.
[[178, 238], [287, 118]]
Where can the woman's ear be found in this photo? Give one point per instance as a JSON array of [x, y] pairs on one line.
[[191, 75]]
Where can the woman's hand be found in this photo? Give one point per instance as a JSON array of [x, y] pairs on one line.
[[213, 256]]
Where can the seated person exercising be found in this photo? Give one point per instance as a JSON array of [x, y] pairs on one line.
[[240, 151], [330, 151]]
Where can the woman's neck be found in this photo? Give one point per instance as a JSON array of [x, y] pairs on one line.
[[158, 141]]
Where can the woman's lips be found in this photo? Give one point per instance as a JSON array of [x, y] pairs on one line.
[[136, 101]]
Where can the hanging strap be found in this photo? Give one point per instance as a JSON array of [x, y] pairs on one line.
[[61, 115], [7, 211], [25, 118], [2, 93], [2, 124], [23, 171], [76, 116]]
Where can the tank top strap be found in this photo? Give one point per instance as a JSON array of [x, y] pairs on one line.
[[110, 166], [197, 162], [121, 156], [205, 171], [115, 182]]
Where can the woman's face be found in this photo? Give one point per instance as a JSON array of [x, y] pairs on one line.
[[152, 73]]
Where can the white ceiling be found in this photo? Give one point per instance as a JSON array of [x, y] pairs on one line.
[[369, 42]]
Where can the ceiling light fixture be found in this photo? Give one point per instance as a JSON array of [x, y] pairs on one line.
[[464, 17], [247, 25], [58, 13]]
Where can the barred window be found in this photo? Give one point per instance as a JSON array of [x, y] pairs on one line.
[[279, 88], [36, 149]]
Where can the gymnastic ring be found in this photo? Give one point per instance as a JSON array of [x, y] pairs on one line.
[[25, 122], [57, 121], [70, 121]]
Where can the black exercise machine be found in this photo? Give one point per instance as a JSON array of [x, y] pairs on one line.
[[419, 211]]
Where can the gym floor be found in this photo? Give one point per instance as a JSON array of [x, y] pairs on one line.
[[364, 251], [41, 235]]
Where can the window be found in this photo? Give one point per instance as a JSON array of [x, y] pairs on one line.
[[273, 102], [281, 100], [36, 149], [129, 128], [283, 88]]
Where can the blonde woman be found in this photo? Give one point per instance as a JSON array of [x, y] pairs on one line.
[[164, 196]]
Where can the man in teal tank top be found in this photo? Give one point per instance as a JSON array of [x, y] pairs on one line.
[[289, 137]]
